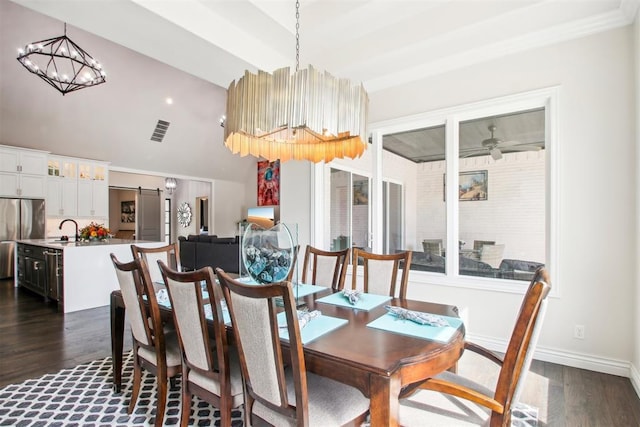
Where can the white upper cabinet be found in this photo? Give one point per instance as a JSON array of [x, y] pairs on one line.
[[23, 173]]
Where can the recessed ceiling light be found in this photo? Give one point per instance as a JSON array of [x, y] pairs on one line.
[[169, 101]]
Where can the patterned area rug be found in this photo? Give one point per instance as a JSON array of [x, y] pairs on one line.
[[83, 397]]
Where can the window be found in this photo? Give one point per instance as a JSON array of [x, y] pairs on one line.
[[167, 220], [392, 211], [468, 189], [349, 213]]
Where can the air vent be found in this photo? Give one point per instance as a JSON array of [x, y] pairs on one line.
[[160, 131]]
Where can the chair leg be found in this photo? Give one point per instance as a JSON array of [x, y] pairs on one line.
[[161, 402], [137, 379], [186, 406], [225, 411]]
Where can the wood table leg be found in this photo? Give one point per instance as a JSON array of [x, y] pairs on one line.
[[385, 407], [117, 339]]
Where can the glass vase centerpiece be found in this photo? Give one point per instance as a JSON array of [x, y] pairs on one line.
[[268, 255]]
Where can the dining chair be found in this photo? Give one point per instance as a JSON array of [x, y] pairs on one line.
[[432, 246], [274, 394], [492, 255], [154, 349], [459, 390], [478, 244], [325, 268], [169, 254], [210, 367], [381, 272]]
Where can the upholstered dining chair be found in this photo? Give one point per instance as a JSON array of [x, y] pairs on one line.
[[169, 254], [273, 394], [461, 392], [209, 368], [154, 349], [325, 268], [381, 272]]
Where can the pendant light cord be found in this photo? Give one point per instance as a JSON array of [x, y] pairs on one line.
[[297, 35]]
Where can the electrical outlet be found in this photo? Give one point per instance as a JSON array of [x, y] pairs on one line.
[[578, 332]]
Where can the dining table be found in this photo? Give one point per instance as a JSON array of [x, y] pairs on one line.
[[378, 362]]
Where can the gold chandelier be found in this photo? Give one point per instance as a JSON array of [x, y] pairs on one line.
[[305, 116]]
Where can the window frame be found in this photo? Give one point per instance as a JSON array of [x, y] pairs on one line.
[[451, 117]]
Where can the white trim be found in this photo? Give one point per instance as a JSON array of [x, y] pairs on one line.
[[576, 360], [451, 116], [160, 174], [557, 34], [635, 379]]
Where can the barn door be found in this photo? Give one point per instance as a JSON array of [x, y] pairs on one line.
[[149, 215]]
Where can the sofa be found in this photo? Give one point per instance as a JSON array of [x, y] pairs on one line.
[[199, 250]]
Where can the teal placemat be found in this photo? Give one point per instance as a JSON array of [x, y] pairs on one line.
[[299, 291], [315, 328], [391, 323], [366, 301]]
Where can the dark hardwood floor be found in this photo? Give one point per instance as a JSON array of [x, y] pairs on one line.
[[36, 339]]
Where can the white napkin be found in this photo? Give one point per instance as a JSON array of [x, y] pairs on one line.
[[417, 317], [162, 296], [304, 317], [353, 295]]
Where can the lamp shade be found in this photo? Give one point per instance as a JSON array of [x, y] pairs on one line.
[[307, 115], [170, 184]]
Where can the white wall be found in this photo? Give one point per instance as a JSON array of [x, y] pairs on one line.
[[597, 253], [228, 207], [636, 357]]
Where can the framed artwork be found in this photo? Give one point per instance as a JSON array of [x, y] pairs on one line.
[[471, 186], [128, 211], [360, 192], [269, 183]]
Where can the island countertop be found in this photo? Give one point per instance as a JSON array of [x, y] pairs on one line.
[[88, 274], [63, 244]]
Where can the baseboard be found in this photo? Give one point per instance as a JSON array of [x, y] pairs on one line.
[[635, 379], [575, 360]]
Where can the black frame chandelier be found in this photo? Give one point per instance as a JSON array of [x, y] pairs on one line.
[[62, 64]]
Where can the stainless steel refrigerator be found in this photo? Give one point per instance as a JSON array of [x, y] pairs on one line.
[[19, 219]]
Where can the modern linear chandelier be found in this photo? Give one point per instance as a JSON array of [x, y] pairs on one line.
[[305, 116], [62, 64]]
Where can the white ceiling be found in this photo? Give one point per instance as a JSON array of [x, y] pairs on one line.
[[382, 43]]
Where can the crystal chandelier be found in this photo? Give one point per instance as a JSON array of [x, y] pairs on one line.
[[305, 116], [62, 64], [170, 184]]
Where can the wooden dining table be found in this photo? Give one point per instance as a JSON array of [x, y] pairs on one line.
[[377, 362]]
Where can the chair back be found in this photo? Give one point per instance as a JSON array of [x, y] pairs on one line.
[[524, 338], [140, 302], [325, 268], [253, 313], [190, 306], [381, 272], [492, 255], [169, 254], [478, 244], [432, 246]]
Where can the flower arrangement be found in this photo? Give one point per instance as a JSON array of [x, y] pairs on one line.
[[94, 231]]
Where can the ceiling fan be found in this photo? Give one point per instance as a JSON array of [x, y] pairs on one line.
[[494, 145]]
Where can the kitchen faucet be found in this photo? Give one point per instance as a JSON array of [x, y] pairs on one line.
[[73, 221]]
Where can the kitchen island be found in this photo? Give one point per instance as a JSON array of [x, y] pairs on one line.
[[78, 275]]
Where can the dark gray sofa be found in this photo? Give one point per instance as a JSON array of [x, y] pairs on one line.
[[197, 251]]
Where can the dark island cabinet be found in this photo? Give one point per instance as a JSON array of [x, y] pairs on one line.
[[40, 270]]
